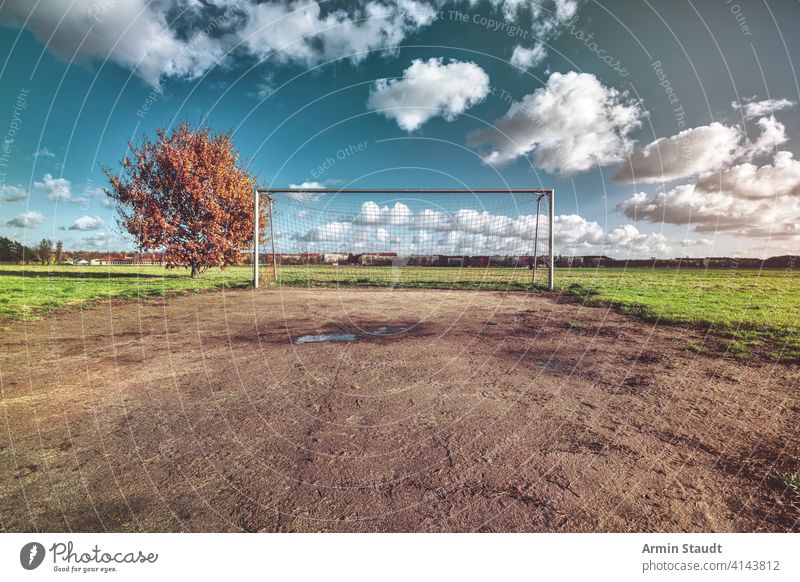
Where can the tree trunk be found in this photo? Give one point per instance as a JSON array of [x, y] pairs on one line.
[[195, 271]]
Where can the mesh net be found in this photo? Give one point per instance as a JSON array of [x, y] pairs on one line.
[[433, 240]]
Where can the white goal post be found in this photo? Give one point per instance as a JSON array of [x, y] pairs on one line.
[[535, 226]]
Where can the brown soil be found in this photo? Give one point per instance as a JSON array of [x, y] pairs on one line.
[[494, 412]]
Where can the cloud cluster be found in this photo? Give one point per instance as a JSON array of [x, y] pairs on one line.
[[161, 38], [469, 231], [571, 124], [429, 89], [718, 212], [745, 188]]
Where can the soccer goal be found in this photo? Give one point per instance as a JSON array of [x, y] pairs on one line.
[[491, 239]]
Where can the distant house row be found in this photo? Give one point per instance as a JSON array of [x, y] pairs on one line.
[[387, 259], [582, 261], [144, 260]]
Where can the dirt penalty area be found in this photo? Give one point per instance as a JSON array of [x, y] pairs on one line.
[[387, 410]]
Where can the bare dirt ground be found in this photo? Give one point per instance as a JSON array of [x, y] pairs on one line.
[[493, 412]]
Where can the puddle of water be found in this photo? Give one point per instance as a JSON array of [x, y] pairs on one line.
[[348, 337], [326, 337]]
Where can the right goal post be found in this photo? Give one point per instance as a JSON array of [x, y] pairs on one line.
[[480, 238]]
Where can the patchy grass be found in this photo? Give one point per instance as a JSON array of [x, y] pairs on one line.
[[792, 483], [754, 310], [30, 292]]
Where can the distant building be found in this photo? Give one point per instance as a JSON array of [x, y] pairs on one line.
[[331, 258], [377, 259], [153, 260]]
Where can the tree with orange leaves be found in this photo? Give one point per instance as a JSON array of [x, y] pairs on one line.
[[186, 193]]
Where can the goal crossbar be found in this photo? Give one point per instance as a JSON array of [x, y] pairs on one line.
[[258, 191]]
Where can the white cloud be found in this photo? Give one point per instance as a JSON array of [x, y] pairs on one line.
[[690, 152], [573, 230], [134, 34], [299, 32], [43, 153], [429, 89], [779, 179], [475, 232], [628, 240], [571, 124], [10, 193], [396, 215], [732, 212], [305, 196], [57, 189], [158, 38], [696, 242], [761, 108], [85, 223], [702, 149], [773, 134], [29, 219], [527, 58]]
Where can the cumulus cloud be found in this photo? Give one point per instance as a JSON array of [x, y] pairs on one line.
[[29, 219], [718, 210], [571, 124], [527, 58], [299, 32], [10, 193], [703, 149], [572, 230], [429, 89], [627, 239], [778, 179], [472, 231], [755, 109], [135, 34], [372, 213], [57, 189], [159, 38], [85, 223], [690, 152]]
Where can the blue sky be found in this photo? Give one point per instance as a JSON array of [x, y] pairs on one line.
[[589, 98]]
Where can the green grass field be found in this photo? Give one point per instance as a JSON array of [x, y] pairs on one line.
[[751, 308]]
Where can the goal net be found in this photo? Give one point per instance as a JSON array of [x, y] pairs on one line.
[[448, 239]]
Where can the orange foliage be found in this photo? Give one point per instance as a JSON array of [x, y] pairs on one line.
[[185, 193]]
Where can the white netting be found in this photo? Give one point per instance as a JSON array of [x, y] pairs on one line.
[[447, 240]]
